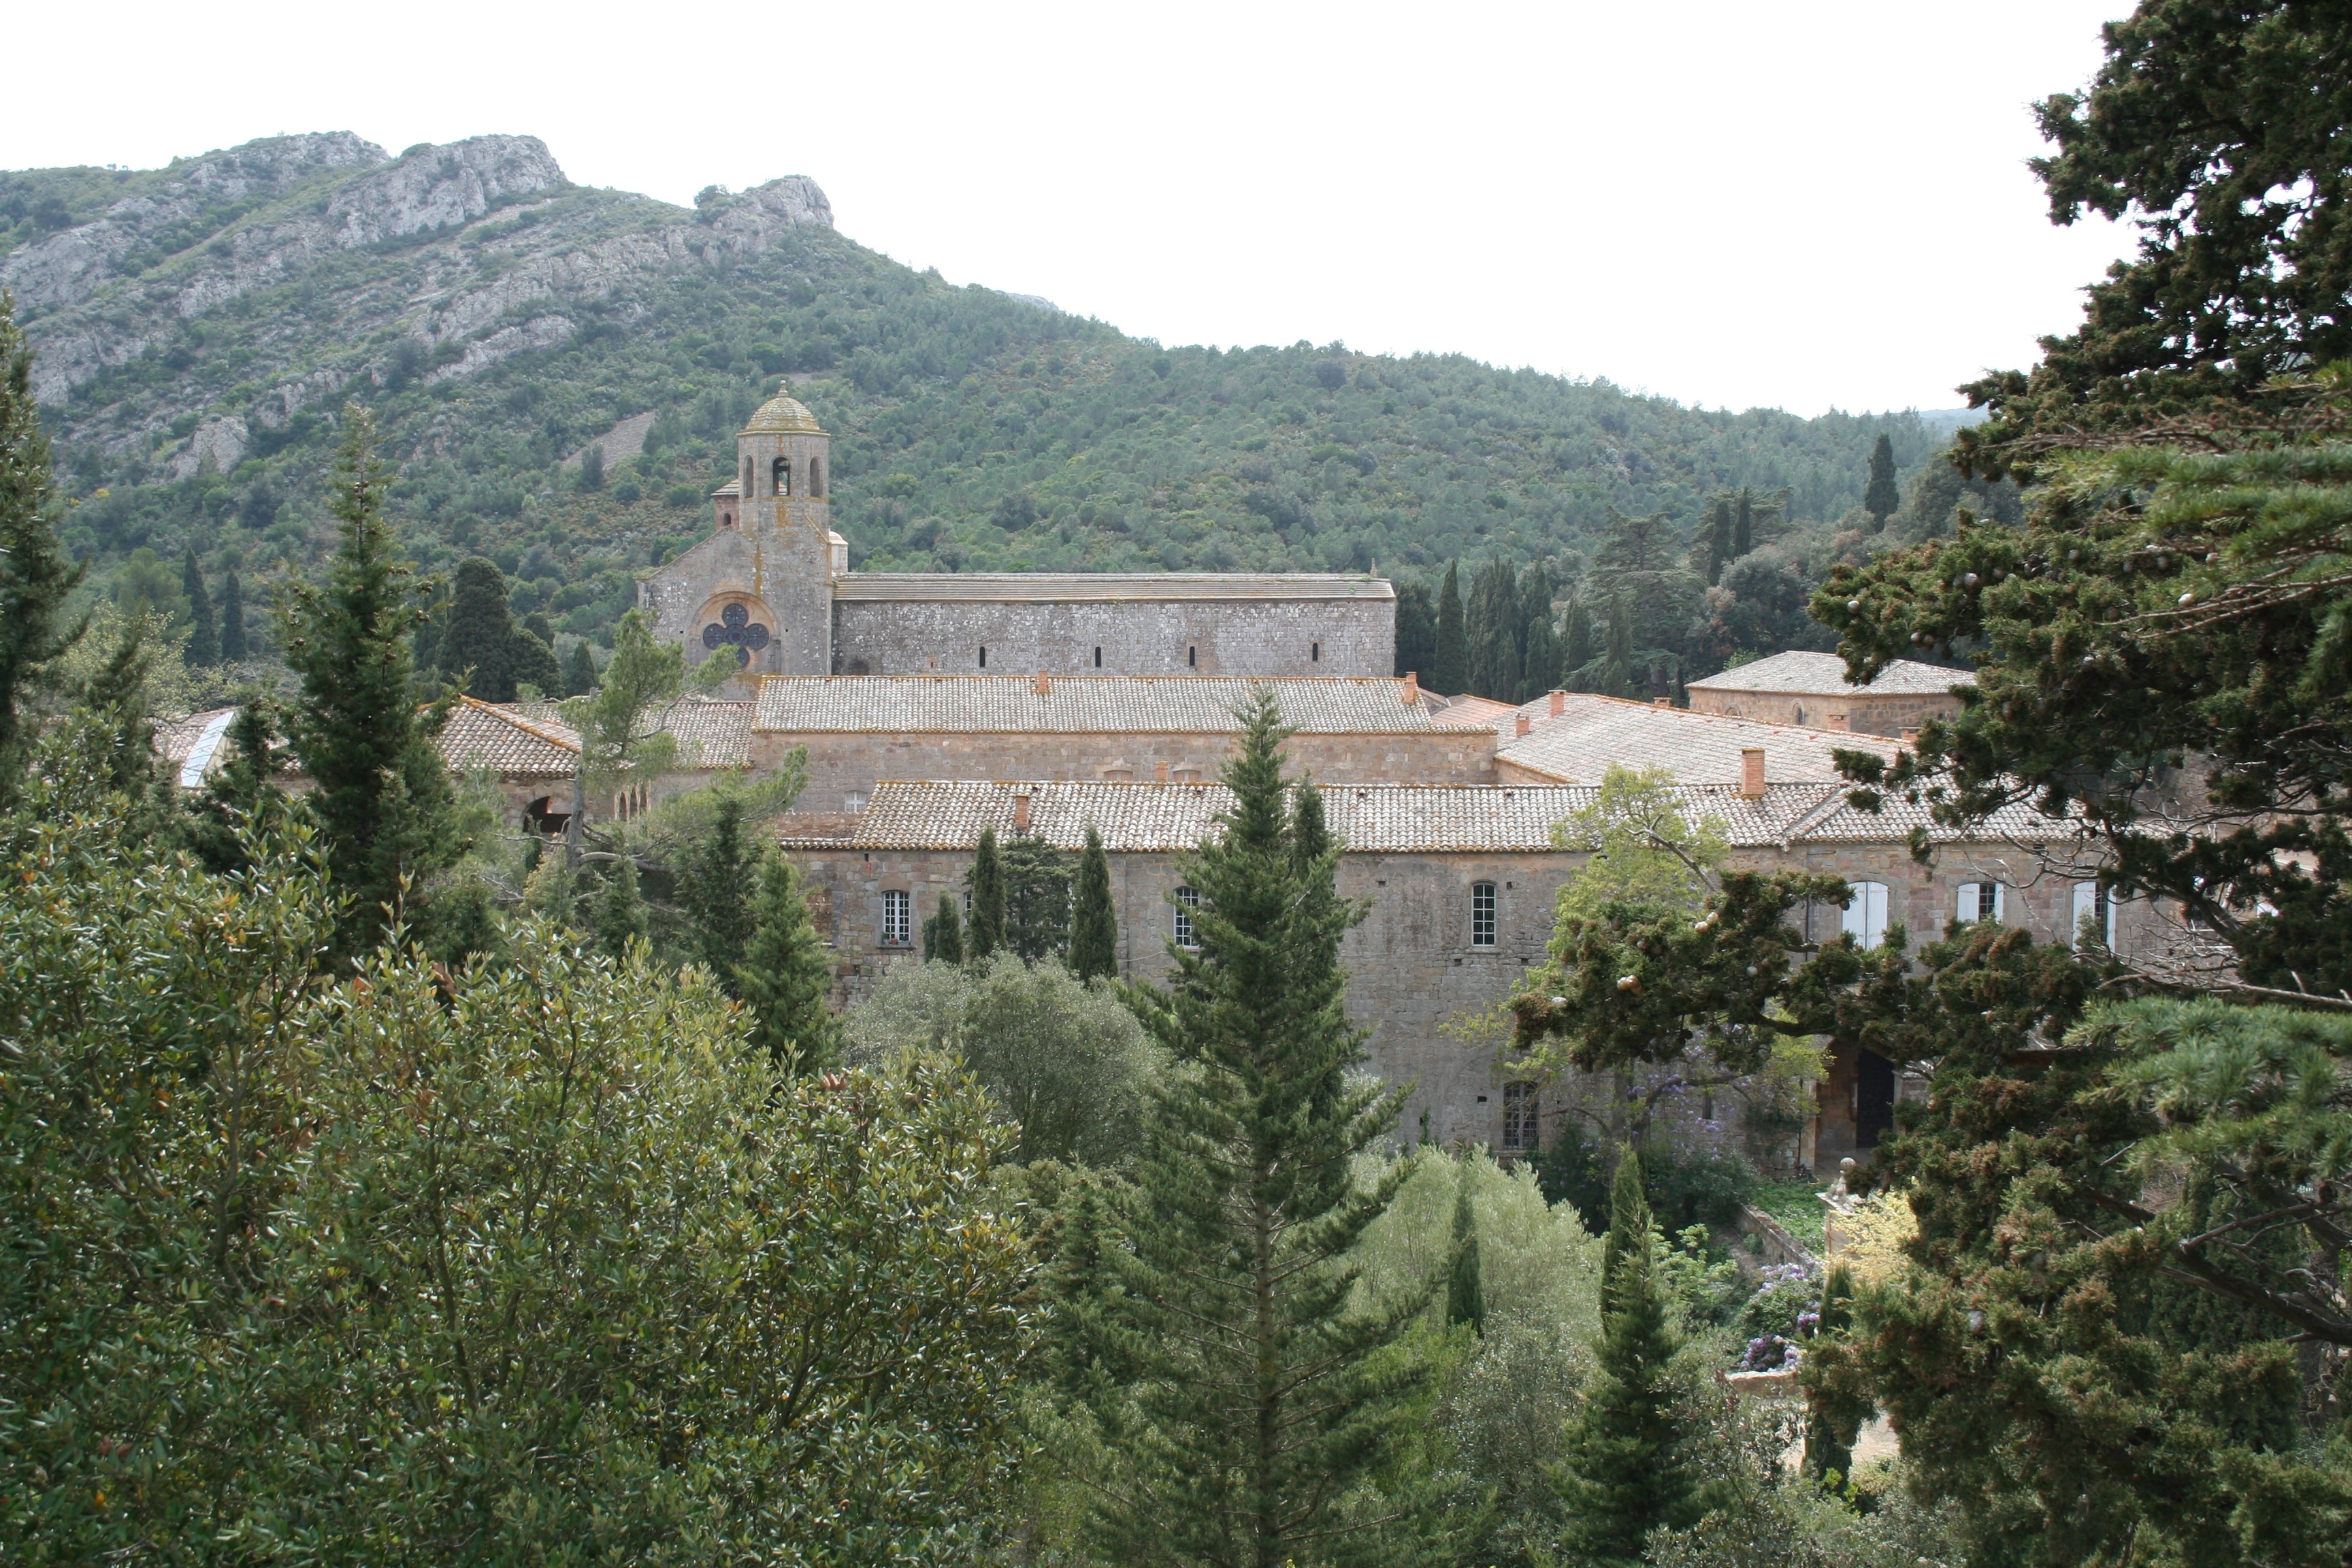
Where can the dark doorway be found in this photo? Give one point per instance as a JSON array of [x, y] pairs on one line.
[[1874, 1099]]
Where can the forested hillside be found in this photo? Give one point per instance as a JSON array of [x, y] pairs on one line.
[[201, 326]]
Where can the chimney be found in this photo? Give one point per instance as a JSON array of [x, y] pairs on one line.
[[1160, 771], [1520, 723], [1833, 722], [1558, 703], [1751, 771], [1413, 688], [1044, 684], [1662, 701], [1911, 736], [1021, 806]]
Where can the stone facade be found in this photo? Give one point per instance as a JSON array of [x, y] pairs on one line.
[[771, 588], [1812, 688]]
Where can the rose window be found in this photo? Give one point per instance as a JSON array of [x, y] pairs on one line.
[[735, 628]]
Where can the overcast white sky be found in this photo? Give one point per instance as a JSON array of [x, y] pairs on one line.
[[1798, 204]]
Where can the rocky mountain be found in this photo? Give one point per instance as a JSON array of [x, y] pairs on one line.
[[201, 327]]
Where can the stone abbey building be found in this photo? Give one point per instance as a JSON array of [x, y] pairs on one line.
[[771, 589]]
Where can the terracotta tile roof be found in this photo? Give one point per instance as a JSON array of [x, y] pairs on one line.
[[710, 734], [1896, 817], [1807, 674], [495, 736], [1036, 587], [1579, 746], [1473, 712], [1386, 819], [1083, 704]]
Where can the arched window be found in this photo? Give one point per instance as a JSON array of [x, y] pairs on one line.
[[779, 476], [1191, 658], [816, 479], [1187, 900], [750, 481], [1979, 901], [1482, 914], [897, 919], [1865, 912], [2095, 915]]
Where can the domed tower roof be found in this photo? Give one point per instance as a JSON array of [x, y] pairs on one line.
[[783, 415]]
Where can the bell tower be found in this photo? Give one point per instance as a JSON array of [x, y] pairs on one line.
[[784, 474]]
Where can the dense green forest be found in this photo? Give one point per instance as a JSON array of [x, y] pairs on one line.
[[974, 429]]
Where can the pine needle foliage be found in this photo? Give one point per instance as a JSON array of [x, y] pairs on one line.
[[618, 915], [784, 977], [1260, 1410], [382, 793], [943, 933], [1450, 670]]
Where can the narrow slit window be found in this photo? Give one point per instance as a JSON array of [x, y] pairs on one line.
[[897, 919], [1191, 657], [983, 656], [1187, 900], [1315, 653], [1482, 914], [1097, 658]]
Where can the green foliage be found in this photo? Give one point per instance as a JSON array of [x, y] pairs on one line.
[[620, 727], [1065, 1063], [1466, 1299], [1416, 632], [618, 916], [1094, 924], [1037, 898], [580, 671], [232, 621], [1628, 1469], [1257, 1411], [380, 792], [35, 576], [715, 886], [204, 636], [986, 881], [1881, 497], [943, 933], [785, 978], [1450, 666]]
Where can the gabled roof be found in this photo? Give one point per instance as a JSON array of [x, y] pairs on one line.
[[710, 734], [1373, 819], [1801, 673], [1081, 704], [499, 737], [1593, 732], [1040, 587]]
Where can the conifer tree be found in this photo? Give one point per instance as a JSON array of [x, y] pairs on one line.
[[243, 789], [1617, 674], [987, 882], [1881, 498], [476, 643], [1466, 1295], [580, 671], [121, 729], [381, 791], [35, 576], [1251, 1395], [1719, 553], [1829, 1435], [1743, 523], [619, 914], [1492, 633], [1628, 1469], [785, 978], [203, 635], [232, 621], [1416, 633], [715, 888], [1576, 644], [943, 933], [1450, 671], [1037, 898], [1093, 926], [1541, 669]]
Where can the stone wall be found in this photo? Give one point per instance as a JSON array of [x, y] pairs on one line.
[[844, 767], [1133, 636], [1867, 714]]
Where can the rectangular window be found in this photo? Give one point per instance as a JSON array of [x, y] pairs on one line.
[[1191, 657], [1979, 901], [1865, 912], [897, 919], [983, 656], [1521, 1134], [1315, 653], [1482, 914], [1187, 900], [1097, 658], [2095, 915]]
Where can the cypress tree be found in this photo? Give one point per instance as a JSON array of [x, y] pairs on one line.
[[35, 576], [232, 621], [1465, 1296], [1881, 498], [1743, 523], [1540, 664], [715, 888], [1094, 927], [1250, 1396], [1494, 632], [1718, 540], [1617, 674], [943, 933], [1037, 898], [987, 882], [619, 915], [1829, 1439], [531, 662], [1576, 649], [475, 643], [1628, 1469], [1416, 629], [785, 978], [382, 793], [203, 635], [1450, 670], [580, 671]]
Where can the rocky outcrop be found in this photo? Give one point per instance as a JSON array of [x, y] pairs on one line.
[[539, 332], [441, 187], [220, 442]]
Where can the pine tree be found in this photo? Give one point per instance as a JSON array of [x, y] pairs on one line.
[[784, 976], [619, 915], [580, 671], [715, 888], [1094, 925], [477, 642], [35, 576], [943, 933], [987, 882], [1881, 498], [1450, 673], [1466, 1295], [1829, 1439], [1251, 1395], [243, 789], [1628, 1469], [232, 621], [204, 636], [381, 791]]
